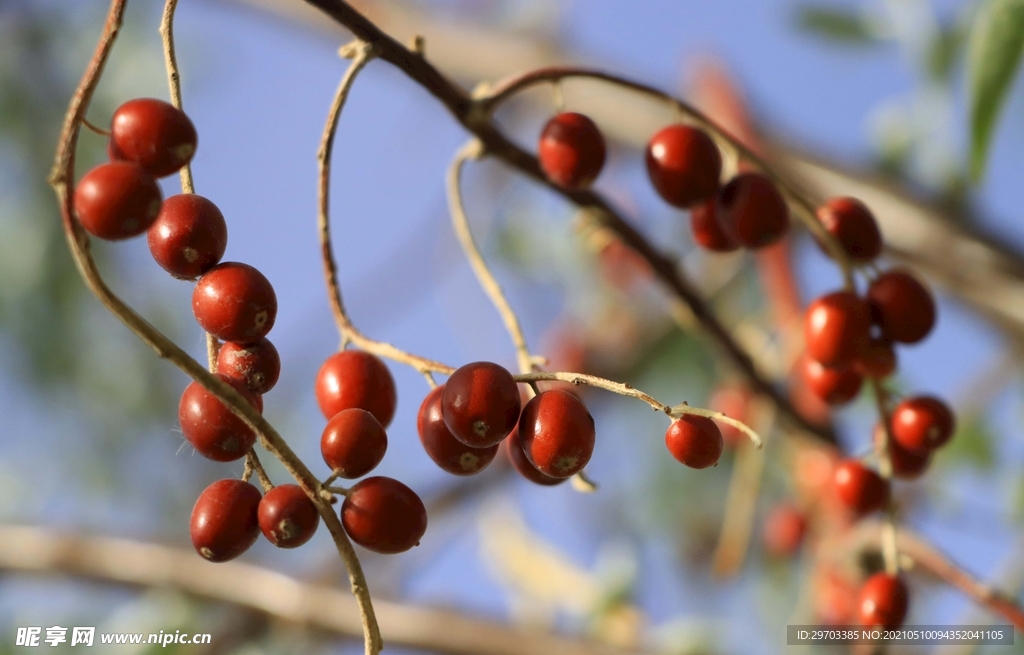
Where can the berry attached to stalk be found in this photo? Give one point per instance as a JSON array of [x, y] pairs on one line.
[[154, 134], [707, 230], [213, 429], [287, 517], [517, 456], [480, 404], [235, 302], [901, 306], [355, 378], [877, 359], [853, 225], [557, 433], [883, 601], [383, 515], [448, 452], [859, 488], [256, 365], [189, 236], [835, 386], [836, 328], [906, 464], [695, 441], [224, 520], [117, 201], [752, 211], [922, 423], [353, 443], [571, 150], [684, 165]]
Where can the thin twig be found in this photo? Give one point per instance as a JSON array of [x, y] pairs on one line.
[[95, 128], [252, 461], [890, 551]]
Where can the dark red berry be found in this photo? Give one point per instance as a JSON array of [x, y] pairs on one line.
[[784, 529], [224, 520], [517, 456], [859, 488], [853, 225], [384, 515], [922, 423], [752, 211], [877, 359], [117, 201], [287, 517], [695, 441], [557, 433], [153, 133], [835, 386], [235, 302], [906, 464], [836, 328], [354, 378], [448, 452], [189, 236], [571, 150], [353, 443], [480, 404], [684, 165], [707, 230], [901, 306], [883, 601], [256, 365], [213, 429]]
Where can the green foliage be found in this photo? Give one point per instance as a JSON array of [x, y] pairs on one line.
[[972, 445], [835, 24]]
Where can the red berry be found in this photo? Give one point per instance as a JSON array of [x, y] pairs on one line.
[[836, 328], [153, 133], [354, 378], [384, 515], [256, 365], [901, 306], [695, 441], [752, 211], [784, 529], [224, 520], [571, 150], [517, 456], [480, 404], [707, 230], [448, 452], [922, 423], [853, 226], [859, 488], [877, 359], [353, 443], [287, 517], [235, 302], [557, 433], [883, 601], [906, 464], [684, 165], [117, 201], [213, 429], [189, 236], [835, 386]]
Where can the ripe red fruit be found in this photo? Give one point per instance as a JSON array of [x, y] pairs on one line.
[[213, 429], [355, 378], [906, 464], [287, 517], [883, 601], [695, 441], [384, 515], [153, 133], [784, 529], [684, 165], [224, 520], [853, 226], [448, 452], [901, 306], [235, 302], [571, 150], [877, 359], [517, 456], [557, 433], [189, 236], [859, 488], [256, 365], [707, 230], [117, 201], [480, 404], [836, 328], [353, 443], [835, 386], [752, 211], [922, 423]]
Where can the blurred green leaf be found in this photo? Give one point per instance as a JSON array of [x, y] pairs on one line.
[[943, 52], [971, 445], [834, 24]]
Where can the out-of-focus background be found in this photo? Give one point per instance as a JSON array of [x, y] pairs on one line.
[[867, 98]]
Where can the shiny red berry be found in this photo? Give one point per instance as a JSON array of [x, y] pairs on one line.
[[835, 386], [557, 433], [153, 133], [707, 230], [906, 464], [448, 452], [695, 441], [189, 236], [384, 515], [256, 365], [224, 520], [922, 423], [213, 429], [353, 443], [571, 151], [877, 359], [853, 225], [883, 601], [836, 328], [752, 211], [783, 531], [901, 306], [117, 201], [355, 378], [859, 488], [480, 404], [287, 517], [517, 456], [235, 302], [684, 165]]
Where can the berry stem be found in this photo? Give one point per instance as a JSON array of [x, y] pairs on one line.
[[94, 128], [890, 551], [252, 461]]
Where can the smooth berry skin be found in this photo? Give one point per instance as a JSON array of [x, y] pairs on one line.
[[571, 150], [684, 165], [859, 488], [557, 433], [256, 365], [355, 378], [853, 225], [235, 302], [154, 134], [213, 429], [694, 441], [836, 328], [906, 464], [225, 520], [117, 201], [834, 386], [383, 515], [922, 423], [517, 456], [188, 237], [901, 306], [480, 404], [448, 452], [877, 359], [353, 443], [784, 530], [287, 517], [752, 211], [707, 230], [883, 601]]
